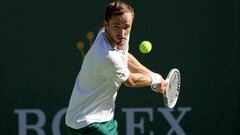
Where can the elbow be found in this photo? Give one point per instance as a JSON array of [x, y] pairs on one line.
[[130, 82]]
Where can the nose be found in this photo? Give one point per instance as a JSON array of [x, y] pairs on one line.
[[122, 33]]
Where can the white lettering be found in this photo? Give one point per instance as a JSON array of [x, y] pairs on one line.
[[57, 120], [174, 123], [23, 126], [131, 120]]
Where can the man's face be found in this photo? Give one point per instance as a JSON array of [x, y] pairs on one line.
[[118, 28]]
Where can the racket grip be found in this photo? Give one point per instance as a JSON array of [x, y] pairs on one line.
[[154, 88]]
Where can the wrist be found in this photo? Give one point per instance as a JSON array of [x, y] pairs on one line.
[[155, 79]]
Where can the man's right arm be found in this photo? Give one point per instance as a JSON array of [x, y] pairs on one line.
[[140, 76], [137, 80], [136, 67]]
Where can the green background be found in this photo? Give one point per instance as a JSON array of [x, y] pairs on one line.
[[40, 60]]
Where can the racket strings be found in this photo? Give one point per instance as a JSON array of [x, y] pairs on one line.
[[173, 89]]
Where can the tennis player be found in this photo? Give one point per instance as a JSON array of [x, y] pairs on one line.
[[105, 67]]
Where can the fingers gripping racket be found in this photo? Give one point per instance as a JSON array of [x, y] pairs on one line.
[[171, 95]]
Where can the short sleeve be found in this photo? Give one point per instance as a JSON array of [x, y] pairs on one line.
[[115, 66], [122, 74]]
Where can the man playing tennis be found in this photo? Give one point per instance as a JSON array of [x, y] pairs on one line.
[[105, 67]]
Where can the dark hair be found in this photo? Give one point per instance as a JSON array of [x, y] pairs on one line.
[[117, 8]]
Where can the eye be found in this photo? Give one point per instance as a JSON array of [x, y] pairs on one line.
[[116, 26], [127, 27]]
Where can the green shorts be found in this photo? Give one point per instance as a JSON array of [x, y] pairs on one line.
[[97, 128]]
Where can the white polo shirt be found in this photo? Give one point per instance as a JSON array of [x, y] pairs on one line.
[[102, 73]]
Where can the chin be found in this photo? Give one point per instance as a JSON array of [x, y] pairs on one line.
[[120, 44]]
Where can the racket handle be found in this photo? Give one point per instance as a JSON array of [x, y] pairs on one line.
[[154, 87]]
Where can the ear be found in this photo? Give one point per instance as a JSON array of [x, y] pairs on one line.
[[105, 23]]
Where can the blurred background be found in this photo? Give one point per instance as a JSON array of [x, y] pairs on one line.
[[44, 42]]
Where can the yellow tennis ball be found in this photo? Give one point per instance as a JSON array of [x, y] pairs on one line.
[[145, 47]]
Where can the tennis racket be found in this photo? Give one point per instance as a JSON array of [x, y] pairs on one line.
[[173, 79]]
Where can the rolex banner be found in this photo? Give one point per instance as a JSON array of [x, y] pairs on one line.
[[43, 44]]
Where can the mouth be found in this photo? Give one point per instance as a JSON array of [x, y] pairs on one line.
[[121, 39]]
